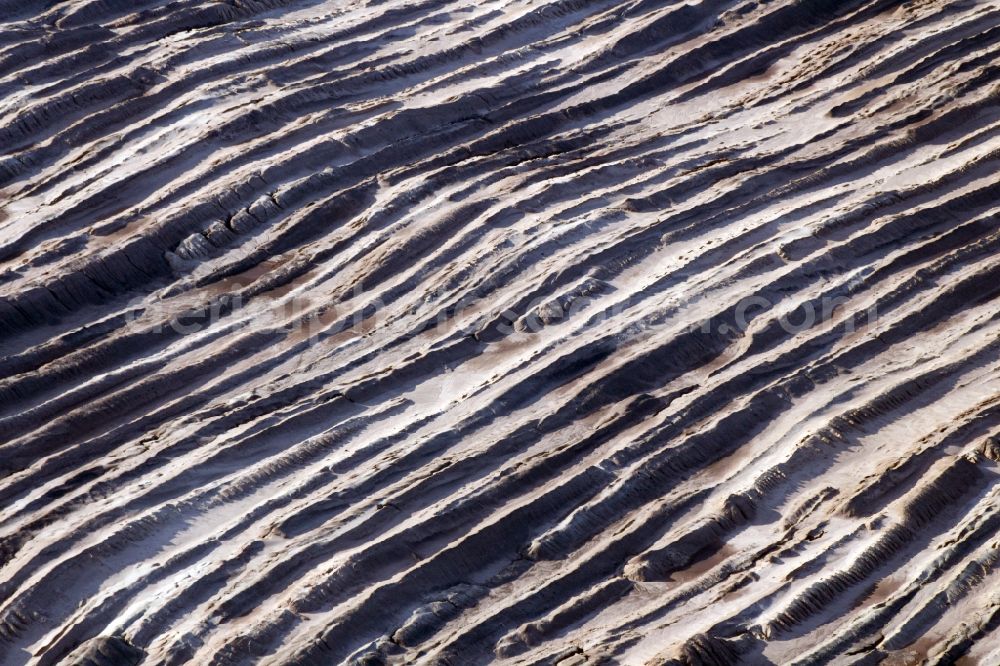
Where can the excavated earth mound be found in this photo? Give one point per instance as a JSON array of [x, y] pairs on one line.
[[517, 331]]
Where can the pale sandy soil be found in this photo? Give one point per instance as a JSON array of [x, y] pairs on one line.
[[513, 331]]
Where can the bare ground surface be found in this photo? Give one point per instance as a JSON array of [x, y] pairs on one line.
[[436, 331]]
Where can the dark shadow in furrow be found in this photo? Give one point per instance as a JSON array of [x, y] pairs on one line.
[[805, 20], [346, 636], [948, 246], [217, 420], [213, 581], [249, 451], [150, 32], [879, 67], [738, 427], [430, 134], [934, 509], [734, 626], [655, 36], [104, 122], [427, 491], [930, 612], [98, 414], [81, 355], [550, 128]]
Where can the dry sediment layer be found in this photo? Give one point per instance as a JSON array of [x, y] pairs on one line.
[[436, 331]]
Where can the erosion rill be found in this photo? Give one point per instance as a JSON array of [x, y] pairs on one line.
[[512, 331]]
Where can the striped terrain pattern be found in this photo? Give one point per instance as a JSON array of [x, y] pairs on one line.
[[566, 332]]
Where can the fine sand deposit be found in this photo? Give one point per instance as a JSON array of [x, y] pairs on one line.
[[511, 331]]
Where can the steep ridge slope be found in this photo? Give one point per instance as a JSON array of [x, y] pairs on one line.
[[519, 331]]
